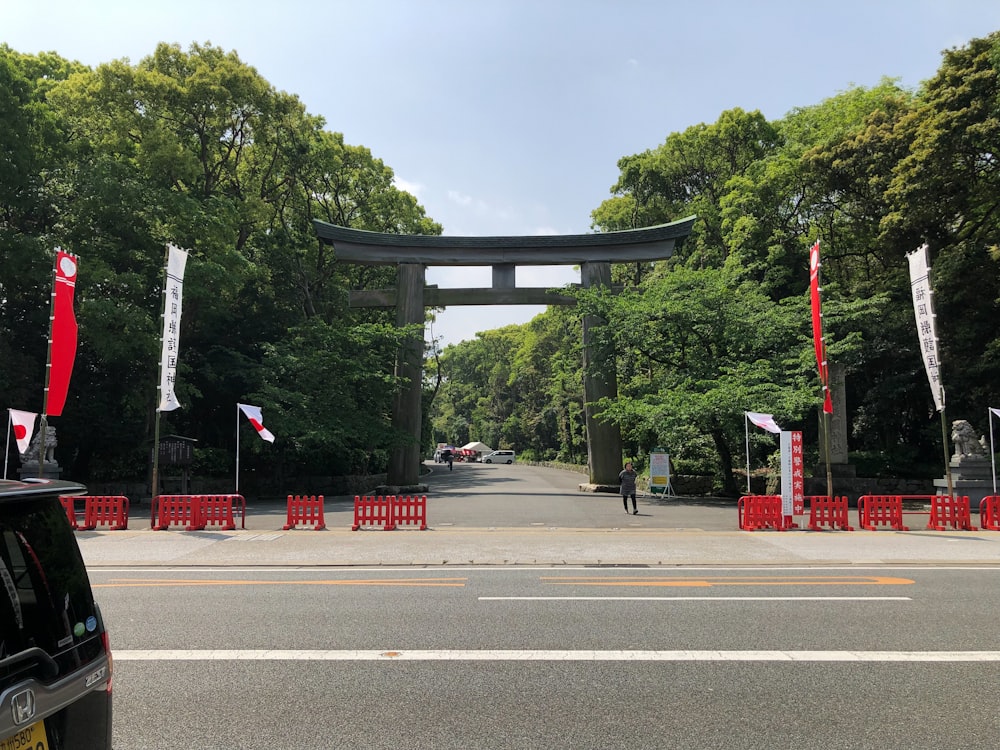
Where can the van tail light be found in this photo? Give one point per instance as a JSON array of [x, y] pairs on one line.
[[106, 642]]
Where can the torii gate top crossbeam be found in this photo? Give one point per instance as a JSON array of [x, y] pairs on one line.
[[628, 246]]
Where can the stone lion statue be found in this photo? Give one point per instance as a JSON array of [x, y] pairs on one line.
[[49, 457], [966, 442]]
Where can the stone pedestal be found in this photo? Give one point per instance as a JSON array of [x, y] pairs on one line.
[[971, 476], [30, 471]]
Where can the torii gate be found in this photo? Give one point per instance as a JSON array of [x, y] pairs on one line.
[[412, 253]]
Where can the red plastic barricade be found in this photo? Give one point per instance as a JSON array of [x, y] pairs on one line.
[[989, 513], [216, 510], [762, 512], [195, 512], [105, 509], [874, 510], [70, 508], [306, 510], [829, 512], [950, 512], [409, 511], [372, 511], [239, 505], [177, 509]]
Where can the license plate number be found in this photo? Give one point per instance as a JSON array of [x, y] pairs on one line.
[[29, 738]]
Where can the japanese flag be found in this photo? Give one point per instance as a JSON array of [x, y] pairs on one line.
[[764, 421], [23, 423], [257, 420]]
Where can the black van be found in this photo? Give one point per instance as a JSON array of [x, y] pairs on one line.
[[55, 661]]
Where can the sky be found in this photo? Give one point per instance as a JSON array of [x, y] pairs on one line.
[[508, 117]]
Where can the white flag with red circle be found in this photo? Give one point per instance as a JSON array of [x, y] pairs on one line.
[[257, 420], [23, 423], [764, 421]]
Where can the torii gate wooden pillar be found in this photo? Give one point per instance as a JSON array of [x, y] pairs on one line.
[[412, 253]]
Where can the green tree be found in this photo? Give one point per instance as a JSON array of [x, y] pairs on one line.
[[946, 191], [697, 348], [689, 174], [196, 148]]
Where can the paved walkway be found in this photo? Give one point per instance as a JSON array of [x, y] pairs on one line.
[[489, 519]]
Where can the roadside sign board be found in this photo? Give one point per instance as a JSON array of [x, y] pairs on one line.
[[659, 471]]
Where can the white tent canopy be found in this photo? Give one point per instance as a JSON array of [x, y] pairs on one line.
[[478, 447]]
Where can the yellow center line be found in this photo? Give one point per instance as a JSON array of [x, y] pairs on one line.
[[736, 581], [152, 582]]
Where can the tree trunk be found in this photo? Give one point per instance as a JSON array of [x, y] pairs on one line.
[[729, 487]]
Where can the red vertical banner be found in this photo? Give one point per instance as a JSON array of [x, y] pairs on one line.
[[63, 333], [817, 324]]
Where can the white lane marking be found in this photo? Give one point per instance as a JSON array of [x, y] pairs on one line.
[[695, 599], [581, 655], [632, 570]]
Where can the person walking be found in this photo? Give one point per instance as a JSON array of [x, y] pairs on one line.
[[627, 477]]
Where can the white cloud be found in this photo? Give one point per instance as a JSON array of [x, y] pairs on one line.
[[413, 188], [456, 197]]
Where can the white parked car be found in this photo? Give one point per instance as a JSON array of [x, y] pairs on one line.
[[499, 457]]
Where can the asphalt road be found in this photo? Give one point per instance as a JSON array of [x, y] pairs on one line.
[[581, 658], [476, 496], [533, 615]]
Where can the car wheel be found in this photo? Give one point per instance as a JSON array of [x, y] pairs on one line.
[[510, 462], [488, 461]]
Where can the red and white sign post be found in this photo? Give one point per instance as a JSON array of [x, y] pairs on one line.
[[792, 477]]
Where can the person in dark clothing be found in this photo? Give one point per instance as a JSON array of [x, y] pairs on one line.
[[627, 477], [449, 457]]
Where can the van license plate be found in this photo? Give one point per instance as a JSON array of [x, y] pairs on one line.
[[29, 738]]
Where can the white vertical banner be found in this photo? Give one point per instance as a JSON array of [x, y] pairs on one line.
[[172, 293], [923, 309]]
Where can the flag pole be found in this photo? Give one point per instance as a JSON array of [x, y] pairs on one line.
[[944, 442], [993, 456], [155, 490], [826, 450], [746, 430], [6, 451], [154, 493], [237, 449]]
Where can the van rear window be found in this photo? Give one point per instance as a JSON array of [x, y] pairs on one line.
[[45, 596]]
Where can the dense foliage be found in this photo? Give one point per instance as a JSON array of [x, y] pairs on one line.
[[724, 326], [195, 148]]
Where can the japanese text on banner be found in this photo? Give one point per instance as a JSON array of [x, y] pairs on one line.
[[923, 310], [173, 292]]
